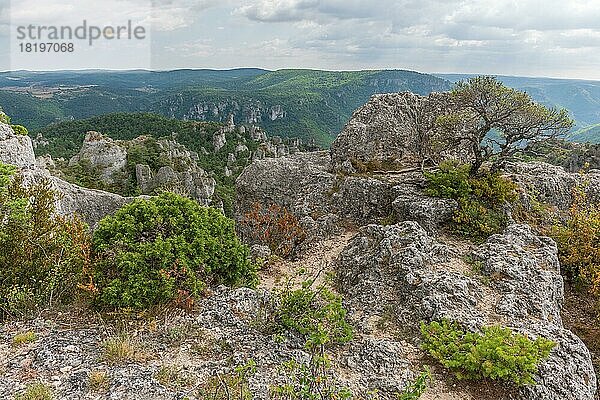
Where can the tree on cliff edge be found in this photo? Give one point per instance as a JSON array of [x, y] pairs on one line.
[[497, 122]]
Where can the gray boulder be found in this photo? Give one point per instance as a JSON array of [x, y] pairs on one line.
[[519, 286], [551, 184], [391, 131], [105, 155], [15, 149]]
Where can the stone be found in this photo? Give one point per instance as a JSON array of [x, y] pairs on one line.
[[402, 267], [15, 149], [392, 131], [103, 154], [219, 140], [551, 184]]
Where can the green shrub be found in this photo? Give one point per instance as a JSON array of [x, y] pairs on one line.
[[415, 390], [164, 249], [43, 257], [451, 181], [20, 130], [36, 391], [578, 241], [5, 119], [317, 314], [309, 381], [496, 353], [481, 199], [229, 386]]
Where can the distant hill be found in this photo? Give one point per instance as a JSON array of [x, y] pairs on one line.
[[580, 97], [308, 104], [590, 134]]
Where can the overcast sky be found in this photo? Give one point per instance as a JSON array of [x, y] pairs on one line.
[[527, 37]]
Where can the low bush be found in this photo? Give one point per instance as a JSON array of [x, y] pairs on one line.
[[578, 241], [20, 130], [232, 385], [495, 353], [309, 381], [36, 391], [316, 313], [415, 390], [481, 198], [273, 226], [43, 257], [164, 249]]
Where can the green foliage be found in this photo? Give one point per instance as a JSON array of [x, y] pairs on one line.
[[483, 105], [43, 257], [496, 353], [317, 314], [481, 199], [451, 181], [5, 119], [36, 391], [165, 249], [416, 389], [20, 130], [578, 241], [309, 381], [229, 386]]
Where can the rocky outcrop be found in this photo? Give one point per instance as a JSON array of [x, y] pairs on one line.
[[392, 130], [303, 184], [103, 154], [91, 205], [179, 170], [15, 149], [195, 182], [300, 183], [181, 174], [219, 140], [400, 270], [551, 184]]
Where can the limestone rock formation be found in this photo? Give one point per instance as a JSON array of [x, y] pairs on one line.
[[389, 131], [179, 169], [551, 184], [219, 140], [15, 149], [104, 154], [91, 205], [402, 267]]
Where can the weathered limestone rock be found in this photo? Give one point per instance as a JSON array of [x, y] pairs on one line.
[[15, 149], [104, 154], [400, 266], [91, 205], [219, 140], [551, 184], [430, 212], [391, 131]]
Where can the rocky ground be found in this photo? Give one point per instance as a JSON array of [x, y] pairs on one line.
[[392, 277], [384, 242]]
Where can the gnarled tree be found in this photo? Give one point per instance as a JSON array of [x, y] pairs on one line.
[[497, 122]]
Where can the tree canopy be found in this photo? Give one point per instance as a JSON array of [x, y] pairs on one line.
[[496, 122]]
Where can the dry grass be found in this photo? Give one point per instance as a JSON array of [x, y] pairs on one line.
[[98, 381], [36, 391], [24, 338], [122, 349]]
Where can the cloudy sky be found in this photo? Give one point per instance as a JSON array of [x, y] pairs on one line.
[[558, 38]]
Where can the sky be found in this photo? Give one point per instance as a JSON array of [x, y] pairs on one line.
[[528, 37]]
